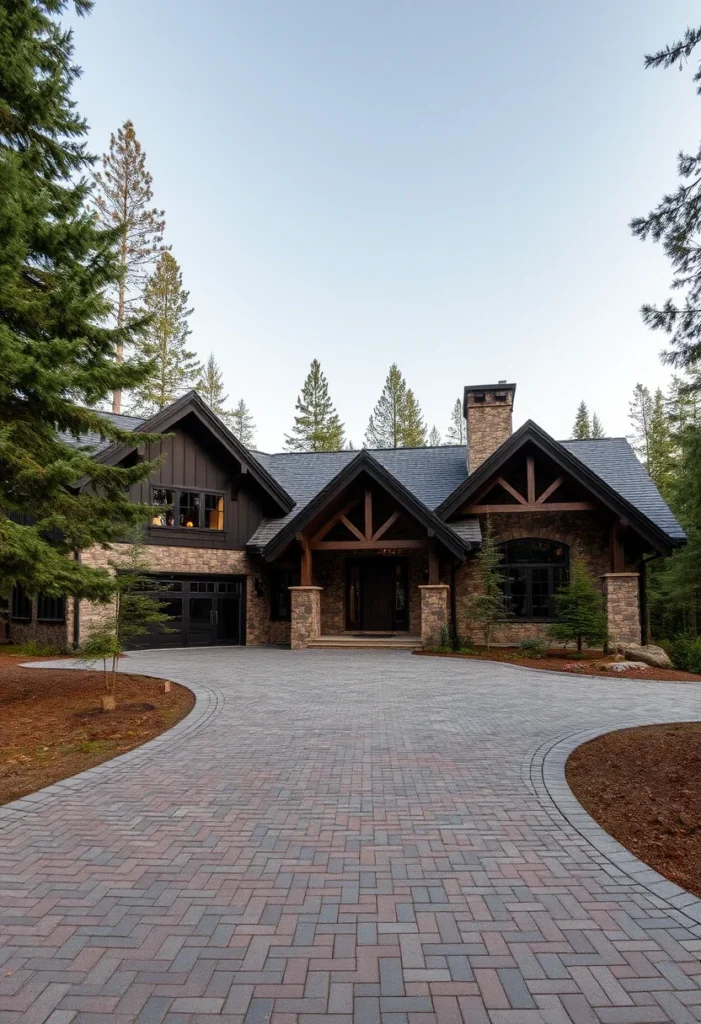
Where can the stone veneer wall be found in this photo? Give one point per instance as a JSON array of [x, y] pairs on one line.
[[204, 561], [306, 616], [622, 595], [329, 573], [435, 612], [583, 532]]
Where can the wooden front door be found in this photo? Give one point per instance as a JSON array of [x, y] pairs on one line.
[[376, 595]]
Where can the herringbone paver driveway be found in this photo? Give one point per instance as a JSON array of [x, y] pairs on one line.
[[344, 837]]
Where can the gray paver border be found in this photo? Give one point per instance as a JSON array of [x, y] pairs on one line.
[[549, 782], [207, 701]]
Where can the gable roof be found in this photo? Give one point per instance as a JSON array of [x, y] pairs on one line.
[[436, 478], [274, 535], [192, 404], [607, 467], [430, 474]]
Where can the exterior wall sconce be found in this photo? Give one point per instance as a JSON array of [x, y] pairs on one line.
[[258, 586]]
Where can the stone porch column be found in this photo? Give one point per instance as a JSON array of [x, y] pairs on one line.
[[434, 612], [306, 615], [622, 597]]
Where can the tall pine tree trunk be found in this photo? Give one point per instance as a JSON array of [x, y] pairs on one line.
[[117, 395]]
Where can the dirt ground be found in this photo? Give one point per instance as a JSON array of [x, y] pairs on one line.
[[643, 786], [52, 726], [591, 663]]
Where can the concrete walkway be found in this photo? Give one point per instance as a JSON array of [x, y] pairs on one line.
[[341, 836]]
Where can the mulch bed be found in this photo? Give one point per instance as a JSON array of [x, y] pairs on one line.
[[52, 725], [565, 661], [642, 786]]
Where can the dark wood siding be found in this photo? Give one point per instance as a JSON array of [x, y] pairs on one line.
[[189, 466]]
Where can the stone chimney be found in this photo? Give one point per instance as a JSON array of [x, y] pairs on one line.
[[487, 408]]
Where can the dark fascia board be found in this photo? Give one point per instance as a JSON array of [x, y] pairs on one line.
[[364, 462], [530, 431], [169, 417]]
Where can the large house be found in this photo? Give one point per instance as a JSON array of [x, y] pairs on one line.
[[306, 549]]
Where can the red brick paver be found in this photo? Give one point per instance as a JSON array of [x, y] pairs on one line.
[[335, 838]]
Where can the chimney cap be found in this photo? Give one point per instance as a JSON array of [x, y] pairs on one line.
[[502, 385]]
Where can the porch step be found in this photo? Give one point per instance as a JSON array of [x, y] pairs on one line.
[[348, 641]]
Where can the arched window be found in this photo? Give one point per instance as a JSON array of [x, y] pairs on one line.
[[533, 570]]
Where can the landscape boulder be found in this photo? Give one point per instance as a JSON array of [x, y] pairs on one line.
[[648, 653]]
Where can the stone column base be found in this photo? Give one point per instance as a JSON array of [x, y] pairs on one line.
[[434, 612], [306, 616], [622, 598]]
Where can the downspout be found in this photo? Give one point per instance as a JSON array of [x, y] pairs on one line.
[[642, 596], [453, 611], [76, 610]]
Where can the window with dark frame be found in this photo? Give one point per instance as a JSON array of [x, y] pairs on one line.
[[280, 599], [174, 507], [533, 571], [51, 609], [21, 605]]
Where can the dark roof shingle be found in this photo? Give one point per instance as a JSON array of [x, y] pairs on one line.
[[613, 459]]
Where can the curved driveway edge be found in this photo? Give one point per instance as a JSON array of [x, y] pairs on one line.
[[207, 699], [345, 837], [550, 780]]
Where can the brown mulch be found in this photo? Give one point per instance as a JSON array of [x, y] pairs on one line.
[[567, 661], [52, 725], [643, 786]]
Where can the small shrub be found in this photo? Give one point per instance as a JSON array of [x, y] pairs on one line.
[[533, 647], [685, 652], [445, 641], [33, 649]]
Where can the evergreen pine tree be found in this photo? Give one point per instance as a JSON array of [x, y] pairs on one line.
[[122, 197], [675, 222], [317, 426], [434, 438], [175, 368], [456, 431], [56, 263], [579, 609], [597, 428], [210, 386], [135, 612], [396, 421], [487, 606], [414, 432], [582, 424], [640, 415], [660, 462], [242, 424], [386, 426]]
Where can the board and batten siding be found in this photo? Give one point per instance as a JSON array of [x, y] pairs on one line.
[[189, 466]]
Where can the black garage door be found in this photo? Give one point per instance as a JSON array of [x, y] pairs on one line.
[[205, 611]]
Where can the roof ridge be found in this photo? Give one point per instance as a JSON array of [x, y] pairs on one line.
[[355, 451]]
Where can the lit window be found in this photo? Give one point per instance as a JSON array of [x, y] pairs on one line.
[[189, 509], [164, 512], [214, 511]]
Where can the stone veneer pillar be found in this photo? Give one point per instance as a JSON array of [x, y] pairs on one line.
[[434, 612], [622, 597], [306, 615]]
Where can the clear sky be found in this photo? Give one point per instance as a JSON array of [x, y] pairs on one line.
[[442, 183]]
